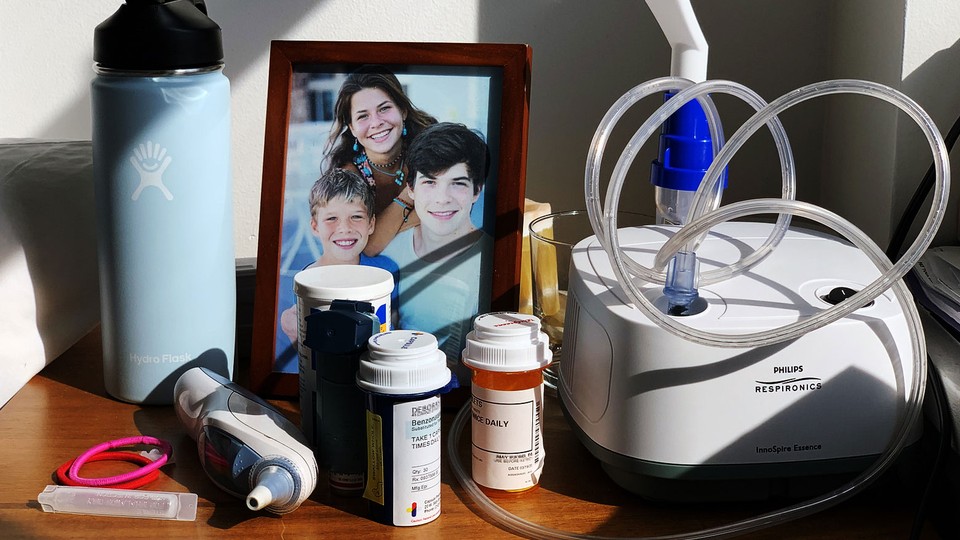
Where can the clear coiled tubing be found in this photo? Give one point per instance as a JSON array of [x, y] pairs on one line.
[[687, 239], [693, 232], [710, 196]]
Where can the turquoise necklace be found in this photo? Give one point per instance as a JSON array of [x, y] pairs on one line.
[[364, 164]]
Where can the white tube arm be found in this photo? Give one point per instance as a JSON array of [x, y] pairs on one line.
[[688, 45]]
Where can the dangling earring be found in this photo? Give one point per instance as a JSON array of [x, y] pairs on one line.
[[355, 147], [404, 132]]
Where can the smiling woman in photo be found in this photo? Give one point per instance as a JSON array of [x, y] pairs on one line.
[[373, 125]]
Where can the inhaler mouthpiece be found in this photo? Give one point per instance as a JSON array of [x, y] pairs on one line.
[[274, 489]]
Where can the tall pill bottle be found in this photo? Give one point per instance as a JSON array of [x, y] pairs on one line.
[[402, 375], [316, 289], [507, 353]]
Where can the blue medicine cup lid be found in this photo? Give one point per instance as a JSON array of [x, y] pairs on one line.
[[686, 149], [158, 35]]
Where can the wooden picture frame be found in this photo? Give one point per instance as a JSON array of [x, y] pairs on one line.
[[504, 69]]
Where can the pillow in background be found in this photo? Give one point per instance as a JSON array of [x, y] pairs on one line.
[[49, 290]]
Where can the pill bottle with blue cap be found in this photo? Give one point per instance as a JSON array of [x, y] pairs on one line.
[[507, 353], [403, 373]]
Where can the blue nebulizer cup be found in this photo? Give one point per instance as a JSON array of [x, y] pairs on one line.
[[685, 154]]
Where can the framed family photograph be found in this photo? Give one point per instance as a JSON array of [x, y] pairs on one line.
[[409, 157]]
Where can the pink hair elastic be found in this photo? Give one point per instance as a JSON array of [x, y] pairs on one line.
[[131, 457], [164, 446]]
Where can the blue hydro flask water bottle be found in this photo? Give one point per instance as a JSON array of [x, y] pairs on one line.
[[161, 156]]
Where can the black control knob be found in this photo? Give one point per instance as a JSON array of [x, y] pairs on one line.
[[839, 294]]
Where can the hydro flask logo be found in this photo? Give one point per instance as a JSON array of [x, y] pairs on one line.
[[151, 160]]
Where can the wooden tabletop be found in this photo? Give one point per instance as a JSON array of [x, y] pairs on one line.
[[65, 410]]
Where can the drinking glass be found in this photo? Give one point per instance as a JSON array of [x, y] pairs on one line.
[[552, 238]]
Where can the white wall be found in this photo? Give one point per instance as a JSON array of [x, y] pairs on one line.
[[867, 44], [874, 156], [585, 54], [46, 55], [930, 75]]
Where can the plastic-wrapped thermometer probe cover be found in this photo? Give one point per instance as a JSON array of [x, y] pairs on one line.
[[119, 502]]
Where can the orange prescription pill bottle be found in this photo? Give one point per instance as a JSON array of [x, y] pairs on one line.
[[507, 353]]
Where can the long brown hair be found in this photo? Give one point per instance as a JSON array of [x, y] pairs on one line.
[[339, 148]]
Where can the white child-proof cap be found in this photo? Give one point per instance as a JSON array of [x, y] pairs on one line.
[[403, 362], [507, 342], [343, 282]]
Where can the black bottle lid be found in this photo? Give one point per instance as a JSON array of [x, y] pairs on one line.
[[158, 35]]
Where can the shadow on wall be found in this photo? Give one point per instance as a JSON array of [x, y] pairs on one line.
[[588, 56], [924, 84], [248, 27], [583, 60]]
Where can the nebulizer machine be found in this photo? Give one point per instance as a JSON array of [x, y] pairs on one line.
[[719, 359]]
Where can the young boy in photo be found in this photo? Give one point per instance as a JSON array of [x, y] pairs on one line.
[[445, 262], [342, 219]]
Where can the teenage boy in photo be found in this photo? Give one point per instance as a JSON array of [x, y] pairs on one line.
[[342, 218], [445, 262]]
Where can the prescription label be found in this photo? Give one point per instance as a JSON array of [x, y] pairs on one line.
[[416, 461], [507, 437]]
